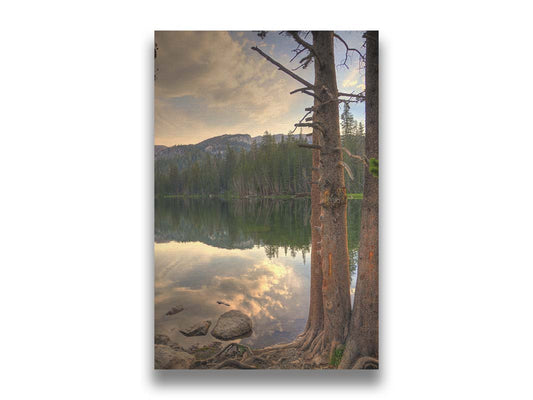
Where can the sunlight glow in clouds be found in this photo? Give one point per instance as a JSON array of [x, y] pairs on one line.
[[212, 83]]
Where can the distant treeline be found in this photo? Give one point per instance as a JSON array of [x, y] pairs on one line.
[[267, 169]]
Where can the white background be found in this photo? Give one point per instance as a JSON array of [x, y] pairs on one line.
[[76, 205]]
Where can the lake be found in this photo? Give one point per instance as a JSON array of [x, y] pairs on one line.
[[253, 254]]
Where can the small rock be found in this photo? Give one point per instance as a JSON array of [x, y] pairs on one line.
[[199, 329], [162, 339], [232, 325], [167, 358], [221, 302], [175, 310]]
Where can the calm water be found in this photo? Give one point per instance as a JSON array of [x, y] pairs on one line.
[[251, 254]]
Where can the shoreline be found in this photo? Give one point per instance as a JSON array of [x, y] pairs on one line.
[[349, 196]]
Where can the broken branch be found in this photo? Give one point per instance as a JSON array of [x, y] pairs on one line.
[[282, 68], [361, 158], [347, 168], [348, 49], [310, 146]]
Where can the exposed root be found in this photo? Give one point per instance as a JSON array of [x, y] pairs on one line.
[[366, 363], [231, 350], [308, 351], [232, 363]]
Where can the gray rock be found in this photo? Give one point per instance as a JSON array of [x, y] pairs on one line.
[[175, 310], [162, 339], [199, 329], [168, 358], [232, 325]]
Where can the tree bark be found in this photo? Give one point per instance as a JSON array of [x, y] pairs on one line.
[[329, 311], [333, 232], [315, 320], [363, 338]]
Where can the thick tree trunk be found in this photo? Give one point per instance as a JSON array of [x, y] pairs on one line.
[[363, 339], [315, 320], [329, 312], [333, 229]]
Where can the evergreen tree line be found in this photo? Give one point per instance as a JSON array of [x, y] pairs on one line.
[[353, 139], [268, 168]]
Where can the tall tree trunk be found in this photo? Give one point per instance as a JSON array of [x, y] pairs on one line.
[[329, 313], [363, 339], [315, 320], [333, 232]]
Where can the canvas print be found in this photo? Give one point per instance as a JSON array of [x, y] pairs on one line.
[[266, 172]]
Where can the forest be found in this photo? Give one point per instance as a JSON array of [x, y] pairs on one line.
[[339, 157], [269, 168]]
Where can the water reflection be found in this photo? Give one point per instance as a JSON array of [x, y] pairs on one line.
[[273, 292], [241, 252]]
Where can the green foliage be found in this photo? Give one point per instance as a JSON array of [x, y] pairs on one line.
[[374, 167], [336, 356], [353, 140], [267, 169], [348, 124], [244, 223]]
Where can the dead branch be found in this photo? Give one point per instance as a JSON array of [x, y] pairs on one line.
[[311, 94], [306, 45], [282, 68], [315, 125], [348, 49], [361, 158], [347, 168], [301, 42], [357, 95], [304, 62], [297, 52], [310, 146], [299, 90], [304, 117]]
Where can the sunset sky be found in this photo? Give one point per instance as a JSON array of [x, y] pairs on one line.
[[212, 83]]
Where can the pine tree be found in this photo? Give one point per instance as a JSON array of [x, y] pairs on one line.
[[348, 125]]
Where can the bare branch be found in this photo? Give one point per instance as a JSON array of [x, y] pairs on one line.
[[358, 95], [302, 42], [348, 49], [304, 62], [307, 46], [298, 51], [347, 168], [311, 94], [299, 90], [361, 158], [308, 112], [310, 146], [282, 68], [316, 125]]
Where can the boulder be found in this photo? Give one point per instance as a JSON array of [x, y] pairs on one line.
[[167, 358], [199, 329], [162, 339], [232, 325], [175, 310]]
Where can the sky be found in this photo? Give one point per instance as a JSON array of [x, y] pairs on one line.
[[211, 83]]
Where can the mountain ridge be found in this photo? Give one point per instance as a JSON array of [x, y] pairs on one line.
[[218, 145]]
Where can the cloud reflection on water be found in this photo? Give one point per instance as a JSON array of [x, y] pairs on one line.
[[273, 292]]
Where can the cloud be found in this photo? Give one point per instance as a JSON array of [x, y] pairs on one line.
[[226, 80], [354, 79]]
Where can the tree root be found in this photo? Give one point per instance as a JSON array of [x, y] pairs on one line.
[[366, 363], [232, 363], [231, 350]]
